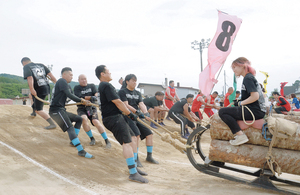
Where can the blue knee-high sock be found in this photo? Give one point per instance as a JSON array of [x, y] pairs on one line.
[[149, 149], [131, 165], [77, 144], [79, 147], [104, 135], [77, 131], [89, 133]]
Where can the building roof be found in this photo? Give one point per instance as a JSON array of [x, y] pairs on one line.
[[289, 89], [149, 84]]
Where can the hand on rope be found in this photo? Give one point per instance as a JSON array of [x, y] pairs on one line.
[[132, 116], [237, 103], [85, 102], [140, 114]]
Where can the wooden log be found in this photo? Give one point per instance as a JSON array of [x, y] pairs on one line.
[[254, 156], [220, 131]]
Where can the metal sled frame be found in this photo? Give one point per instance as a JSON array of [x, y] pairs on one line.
[[264, 176]]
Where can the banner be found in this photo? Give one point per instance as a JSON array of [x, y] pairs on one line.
[[232, 96], [265, 81], [218, 50], [282, 84]]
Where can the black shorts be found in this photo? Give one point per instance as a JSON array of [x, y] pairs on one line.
[[144, 131], [118, 125], [133, 126], [91, 113], [37, 104], [64, 119]]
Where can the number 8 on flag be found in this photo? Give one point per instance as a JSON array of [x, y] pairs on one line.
[[219, 49]]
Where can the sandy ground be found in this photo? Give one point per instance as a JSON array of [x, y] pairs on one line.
[[38, 161]]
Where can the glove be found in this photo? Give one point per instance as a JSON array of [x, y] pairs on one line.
[[132, 116], [140, 114], [237, 103], [147, 114], [93, 99]]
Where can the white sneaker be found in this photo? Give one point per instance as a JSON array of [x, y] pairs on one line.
[[239, 139]]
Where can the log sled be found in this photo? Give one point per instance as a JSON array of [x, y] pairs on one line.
[[222, 155]]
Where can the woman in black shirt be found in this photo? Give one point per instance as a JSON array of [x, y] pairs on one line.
[[252, 97]]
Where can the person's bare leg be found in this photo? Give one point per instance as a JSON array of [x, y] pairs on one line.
[[102, 131], [46, 116], [149, 145]]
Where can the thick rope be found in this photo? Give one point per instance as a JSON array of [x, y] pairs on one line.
[[174, 135], [243, 115], [166, 137], [96, 105], [270, 158]]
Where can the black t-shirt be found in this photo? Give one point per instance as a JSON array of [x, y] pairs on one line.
[[133, 97], [178, 106], [249, 85], [107, 94], [151, 102], [89, 90], [59, 97], [39, 73]]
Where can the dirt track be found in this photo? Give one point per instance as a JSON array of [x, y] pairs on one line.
[[38, 161]]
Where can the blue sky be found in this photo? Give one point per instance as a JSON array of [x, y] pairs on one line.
[[151, 39]]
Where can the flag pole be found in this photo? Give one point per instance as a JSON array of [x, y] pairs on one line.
[[217, 78]]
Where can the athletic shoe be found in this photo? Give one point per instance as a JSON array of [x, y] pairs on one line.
[[108, 144], [153, 125], [50, 127], [33, 114], [93, 142], [83, 153], [238, 140], [187, 133], [151, 160], [137, 178], [162, 124], [138, 163], [185, 136], [71, 143], [168, 118], [141, 172]]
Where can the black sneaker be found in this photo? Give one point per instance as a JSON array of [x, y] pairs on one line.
[[137, 178], [138, 163], [93, 142], [108, 144], [151, 160], [50, 127], [83, 153], [33, 114], [141, 172]]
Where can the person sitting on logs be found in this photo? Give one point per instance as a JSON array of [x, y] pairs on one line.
[[252, 97], [284, 105]]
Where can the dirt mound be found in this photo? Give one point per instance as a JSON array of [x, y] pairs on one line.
[[38, 161]]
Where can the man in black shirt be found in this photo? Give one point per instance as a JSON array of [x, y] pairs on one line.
[[89, 92], [36, 75], [153, 106], [182, 108], [133, 100], [112, 108], [58, 111]]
